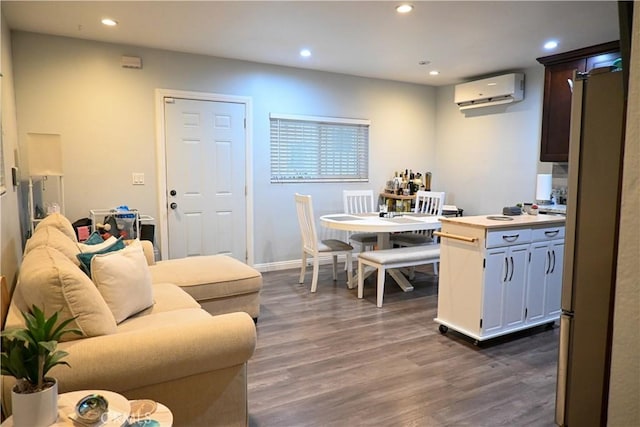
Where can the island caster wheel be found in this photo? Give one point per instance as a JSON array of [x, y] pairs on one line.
[[550, 325], [443, 329]]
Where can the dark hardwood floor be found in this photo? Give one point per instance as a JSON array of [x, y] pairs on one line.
[[330, 359]]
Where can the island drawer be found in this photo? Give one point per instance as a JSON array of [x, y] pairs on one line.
[[507, 237], [547, 233]]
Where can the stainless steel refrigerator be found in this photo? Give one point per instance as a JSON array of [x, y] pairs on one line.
[[591, 242]]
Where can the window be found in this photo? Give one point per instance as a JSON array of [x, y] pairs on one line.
[[319, 149]]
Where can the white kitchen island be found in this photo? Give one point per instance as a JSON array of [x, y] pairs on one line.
[[499, 276]]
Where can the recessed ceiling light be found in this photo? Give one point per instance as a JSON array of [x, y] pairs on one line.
[[434, 72], [551, 44], [305, 53], [109, 22], [404, 8]]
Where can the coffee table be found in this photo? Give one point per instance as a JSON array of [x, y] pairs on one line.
[[119, 411]]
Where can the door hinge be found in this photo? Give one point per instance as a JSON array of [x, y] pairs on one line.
[[529, 256], [245, 123], [480, 323], [526, 311], [169, 101], [484, 263]]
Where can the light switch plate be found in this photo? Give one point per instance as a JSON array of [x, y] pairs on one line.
[[137, 178]]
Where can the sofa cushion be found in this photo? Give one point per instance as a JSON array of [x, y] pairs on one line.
[[168, 297], [59, 221], [53, 238], [163, 319], [123, 280], [52, 282], [208, 277]]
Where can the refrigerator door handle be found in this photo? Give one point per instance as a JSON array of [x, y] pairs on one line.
[[563, 362]]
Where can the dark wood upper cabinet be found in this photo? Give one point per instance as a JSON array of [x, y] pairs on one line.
[[556, 106]]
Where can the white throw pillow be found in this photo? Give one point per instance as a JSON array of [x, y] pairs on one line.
[[86, 249], [124, 281]]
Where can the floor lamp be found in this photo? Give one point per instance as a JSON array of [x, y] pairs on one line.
[[44, 154]]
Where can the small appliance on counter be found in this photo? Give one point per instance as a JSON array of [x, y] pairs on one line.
[[512, 210], [553, 209]]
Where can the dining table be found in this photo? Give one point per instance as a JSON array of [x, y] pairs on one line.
[[383, 226]]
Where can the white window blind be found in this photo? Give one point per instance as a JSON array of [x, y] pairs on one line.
[[319, 149]]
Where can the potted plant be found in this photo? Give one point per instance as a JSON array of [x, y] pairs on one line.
[[28, 354]]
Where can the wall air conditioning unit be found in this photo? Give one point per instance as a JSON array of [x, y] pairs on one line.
[[496, 90]]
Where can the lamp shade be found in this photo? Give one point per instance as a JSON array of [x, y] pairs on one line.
[[44, 151], [543, 187]]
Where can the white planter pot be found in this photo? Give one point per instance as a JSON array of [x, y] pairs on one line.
[[35, 409]]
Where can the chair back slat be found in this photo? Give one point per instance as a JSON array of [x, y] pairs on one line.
[[306, 221], [358, 201], [429, 202]]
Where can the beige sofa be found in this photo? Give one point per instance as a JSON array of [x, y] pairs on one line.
[[143, 336]]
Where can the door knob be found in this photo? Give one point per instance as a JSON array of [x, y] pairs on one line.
[[173, 192], [173, 205]]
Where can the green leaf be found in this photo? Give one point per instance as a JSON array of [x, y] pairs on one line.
[[29, 353]]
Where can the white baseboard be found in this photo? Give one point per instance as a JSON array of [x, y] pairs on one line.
[[287, 265], [275, 266]]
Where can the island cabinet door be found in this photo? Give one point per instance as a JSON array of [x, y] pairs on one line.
[[544, 281], [539, 266], [504, 288], [495, 275], [553, 288], [514, 287]]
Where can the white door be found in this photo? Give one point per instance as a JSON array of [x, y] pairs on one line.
[[205, 158]]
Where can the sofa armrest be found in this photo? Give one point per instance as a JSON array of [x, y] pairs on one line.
[[147, 248], [143, 357]]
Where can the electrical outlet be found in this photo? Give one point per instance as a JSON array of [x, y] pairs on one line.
[[137, 178]]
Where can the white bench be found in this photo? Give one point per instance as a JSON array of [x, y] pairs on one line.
[[394, 258]]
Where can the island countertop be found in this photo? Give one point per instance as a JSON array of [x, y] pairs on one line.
[[485, 221]]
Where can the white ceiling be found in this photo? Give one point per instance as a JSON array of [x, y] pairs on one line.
[[461, 39]]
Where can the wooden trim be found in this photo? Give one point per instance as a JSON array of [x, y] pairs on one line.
[[612, 46]]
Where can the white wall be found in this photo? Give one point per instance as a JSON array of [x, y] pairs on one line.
[[105, 115], [487, 158], [10, 234]]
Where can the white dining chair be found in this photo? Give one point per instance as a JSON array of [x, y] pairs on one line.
[[357, 202], [428, 203], [315, 248]]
